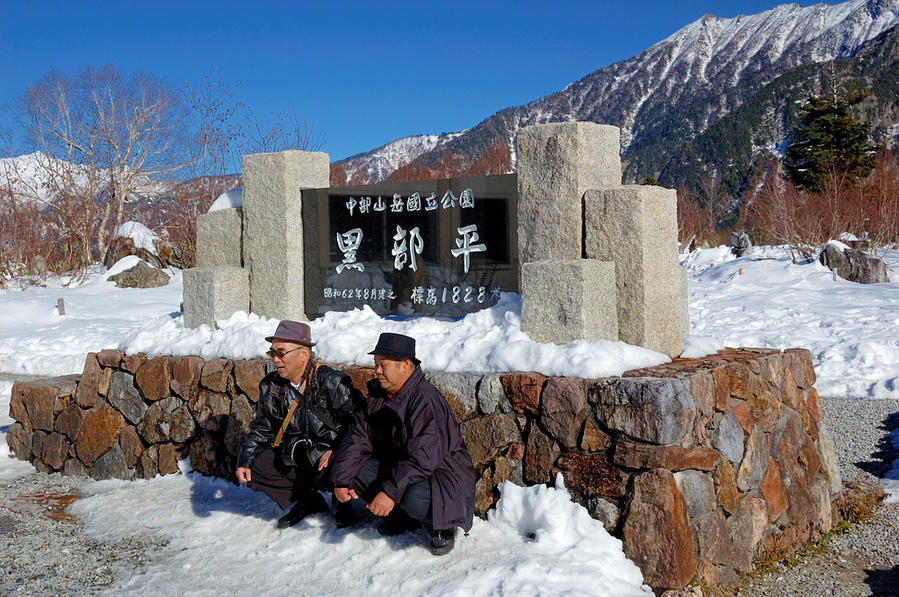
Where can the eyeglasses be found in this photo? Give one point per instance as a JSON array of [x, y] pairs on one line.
[[280, 353]]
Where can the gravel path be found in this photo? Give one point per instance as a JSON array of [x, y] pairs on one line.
[[43, 551]]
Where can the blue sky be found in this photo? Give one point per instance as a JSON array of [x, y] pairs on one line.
[[361, 73]]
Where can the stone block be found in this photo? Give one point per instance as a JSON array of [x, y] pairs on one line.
[[212, 293], [591, 475], [247, 374], [19, 440], [605, 512], [102, 426], [656, 532], [219, 238], [799, 362], [111, 465], [635, 227], [773, 491], [829, 462], [557, 164], [671, 457], [715, 548], [660, 411], [728, 438], [109, 357], [755, 462], [186, 375], [153, 378], [124, 395], [539, 456], [70, 422], [39, 400], [563, 409], [747, 525], [523, 391], [238, 424], [87, 393], [149, 462], [167, 420], [459, 390], [210, 410], [726, 485], [593, 439], [698, 490], [273, 227], [567, 300], [131, 446], [54, 450], [488, 437], [215, 374], [169, 455], [491, 395]]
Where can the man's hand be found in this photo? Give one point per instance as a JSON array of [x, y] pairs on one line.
[[381, 505], [244, 475], [345, 494], [325, 460]]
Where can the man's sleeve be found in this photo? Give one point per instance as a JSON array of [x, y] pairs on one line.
[[352, 452], [259, 436]]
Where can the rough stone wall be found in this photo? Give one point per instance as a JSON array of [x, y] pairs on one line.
[[697, 465]]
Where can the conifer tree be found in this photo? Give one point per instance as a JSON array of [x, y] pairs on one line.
[[828, 140]]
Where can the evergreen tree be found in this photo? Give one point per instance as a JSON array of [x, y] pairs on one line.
[[828, 140]]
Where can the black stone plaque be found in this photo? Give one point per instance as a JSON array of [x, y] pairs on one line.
[[440, 247]]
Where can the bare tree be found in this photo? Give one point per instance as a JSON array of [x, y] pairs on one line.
[[98, 139]]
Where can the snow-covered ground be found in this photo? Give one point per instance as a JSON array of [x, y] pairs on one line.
[[537, 541]]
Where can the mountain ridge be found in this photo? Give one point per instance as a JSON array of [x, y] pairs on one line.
[[678, 87]]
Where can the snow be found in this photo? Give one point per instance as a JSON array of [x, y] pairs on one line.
[[227, 200], [219, 535], [143, 237], [537, 542]]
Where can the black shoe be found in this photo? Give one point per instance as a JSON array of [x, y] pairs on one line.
[[303, 508], [397, 523], [442, 541], [344, 514]]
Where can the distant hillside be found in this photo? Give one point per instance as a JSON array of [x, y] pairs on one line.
[[705, 101]]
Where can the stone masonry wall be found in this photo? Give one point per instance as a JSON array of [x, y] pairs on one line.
[[697, 465]]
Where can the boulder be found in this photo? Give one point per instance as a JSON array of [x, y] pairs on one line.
[[740, 244], [853, 265], [141, 275]]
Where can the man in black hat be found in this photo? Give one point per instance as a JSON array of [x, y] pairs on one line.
[[303, 412], [404, 452]]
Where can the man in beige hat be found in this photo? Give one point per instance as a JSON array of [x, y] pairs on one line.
[[303, 412]]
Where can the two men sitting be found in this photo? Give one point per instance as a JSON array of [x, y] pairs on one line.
[[400, 451]]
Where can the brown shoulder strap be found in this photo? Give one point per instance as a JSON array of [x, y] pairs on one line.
[[286, 421], [313, 367]]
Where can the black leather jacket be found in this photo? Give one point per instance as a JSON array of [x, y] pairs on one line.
[[318, 424]]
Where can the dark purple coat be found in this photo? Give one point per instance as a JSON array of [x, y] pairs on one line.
[[415, 431]]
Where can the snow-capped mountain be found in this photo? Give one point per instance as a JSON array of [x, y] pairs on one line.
[[38, 177], [679, 87], [379, 163]]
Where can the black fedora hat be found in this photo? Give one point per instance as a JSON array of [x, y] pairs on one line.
[[293, 331], [396, 346]]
